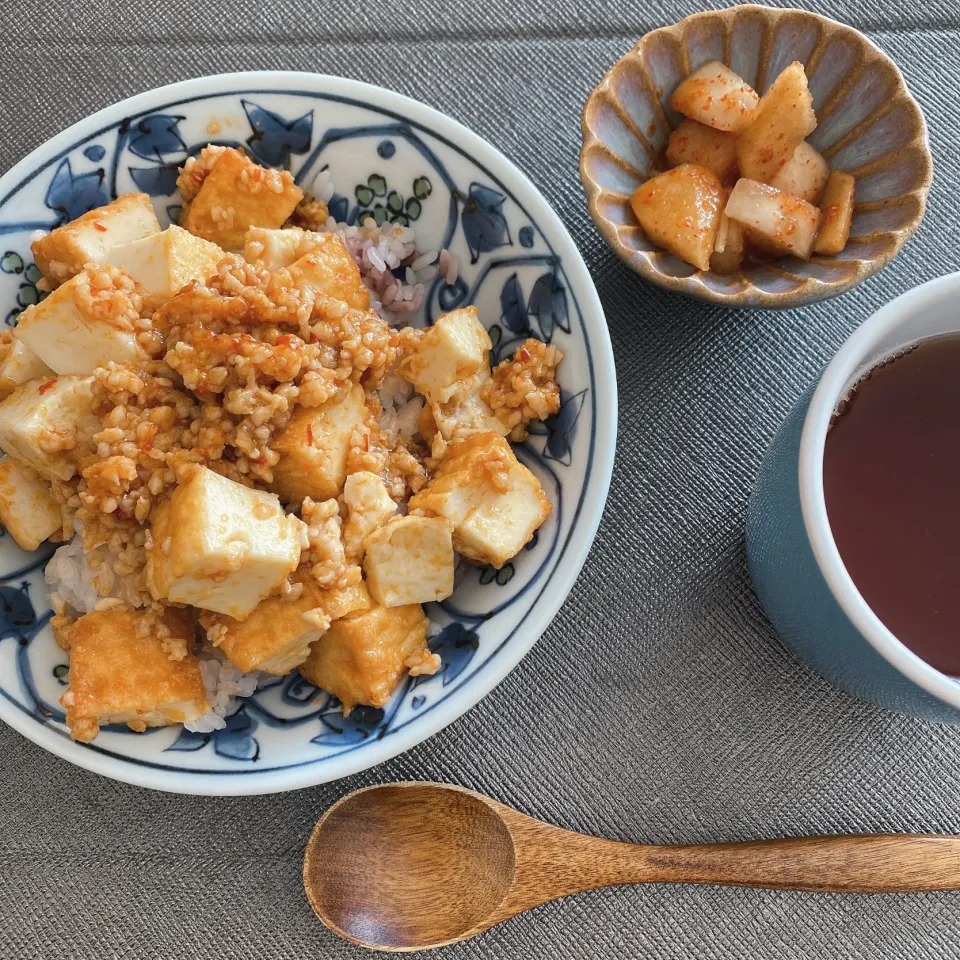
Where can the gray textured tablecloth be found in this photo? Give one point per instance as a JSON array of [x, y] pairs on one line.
[[659, 706]]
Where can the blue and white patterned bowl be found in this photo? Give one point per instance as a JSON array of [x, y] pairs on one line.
[[390, 157]]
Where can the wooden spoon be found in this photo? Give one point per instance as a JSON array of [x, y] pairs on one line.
[[411, 866]]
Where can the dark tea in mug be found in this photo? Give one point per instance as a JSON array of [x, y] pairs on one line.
[[891, 480]]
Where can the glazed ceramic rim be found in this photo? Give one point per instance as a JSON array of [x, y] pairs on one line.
[[753, 298], [848, 361], [578, 547]]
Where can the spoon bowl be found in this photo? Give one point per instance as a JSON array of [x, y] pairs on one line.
[[380, 870], [410, 866]]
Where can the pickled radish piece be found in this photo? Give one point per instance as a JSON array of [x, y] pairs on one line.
[[713, 94], [836, 211], [728, 248], [716, 150], [784, 119], [680, 211], [780, 221], [804, 175]]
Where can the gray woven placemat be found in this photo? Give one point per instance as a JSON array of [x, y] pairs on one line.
[[659, 705]]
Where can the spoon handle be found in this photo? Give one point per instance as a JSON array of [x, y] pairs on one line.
[[869, 863]]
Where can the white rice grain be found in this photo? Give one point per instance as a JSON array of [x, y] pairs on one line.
[[374, 257], [70, 577], [453, 271], [74, 577], [424, 260], [224, 683], [321, 184]]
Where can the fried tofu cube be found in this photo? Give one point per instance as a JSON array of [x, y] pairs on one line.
[[166, 262], [716, 96], [64, 252], [784, 119], [238, 194], [804, 175], [221, 546], [680, 211], [458, 418], [48, 424], [452, 351], [427, 424], [313, 448], [119, 674], [276, 637], [369, 506], [340, 602], [697, 143], [18, 365], [27, 509], [837, 211], [316, 264], [493, 501], [273, 249], [362, 658], [410, 560], [780, 222], [327, 269], [85, 323]]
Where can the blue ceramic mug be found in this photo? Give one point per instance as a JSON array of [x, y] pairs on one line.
[[800, 579]]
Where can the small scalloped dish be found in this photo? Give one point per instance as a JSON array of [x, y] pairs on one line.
[[868, 125]]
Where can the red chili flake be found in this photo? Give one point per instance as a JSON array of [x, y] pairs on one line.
[[45, 387], [524, 355], [366, 444], [310, 434], [99, 226]]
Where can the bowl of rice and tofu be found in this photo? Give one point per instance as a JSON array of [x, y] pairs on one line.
[[755, 157], [256, 472]]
